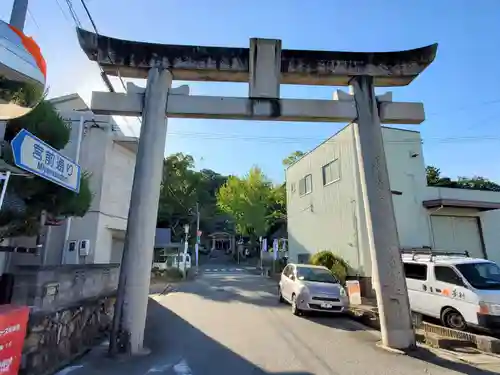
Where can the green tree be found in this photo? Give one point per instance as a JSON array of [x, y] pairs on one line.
[[182, 187], [433, 175], [37, 194], [336, 264], [292, 158], [246, 200], [178, 194], [434, 178], [276, 208]]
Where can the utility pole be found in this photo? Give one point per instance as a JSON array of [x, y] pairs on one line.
[[197, 246], [17, 19], [133, 289], [18, 14], [390, 284]]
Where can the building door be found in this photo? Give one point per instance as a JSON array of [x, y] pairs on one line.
[[457, 233]]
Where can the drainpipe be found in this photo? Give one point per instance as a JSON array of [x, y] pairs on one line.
[[68, 221], [431, 234]]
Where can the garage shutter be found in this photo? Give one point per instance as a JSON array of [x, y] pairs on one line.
[[457, 233]]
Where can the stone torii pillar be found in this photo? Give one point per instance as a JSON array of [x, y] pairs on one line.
[[265, 66]]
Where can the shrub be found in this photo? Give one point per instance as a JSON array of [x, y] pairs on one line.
[[334, 263]]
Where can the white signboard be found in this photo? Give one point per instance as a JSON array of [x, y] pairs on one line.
[[264, 245], [37, 157], [275, 249]]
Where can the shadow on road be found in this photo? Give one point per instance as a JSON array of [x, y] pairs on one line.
[[426, 355], [174, 342], [263, 292]]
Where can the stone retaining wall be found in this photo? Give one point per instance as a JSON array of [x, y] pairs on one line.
[[56, 338], [71, 310]]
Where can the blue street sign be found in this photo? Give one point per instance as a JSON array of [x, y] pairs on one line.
[[37, 157]]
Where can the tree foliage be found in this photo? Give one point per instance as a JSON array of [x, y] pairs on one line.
[[37, 194], [182, 187], [434, 178], [292, 158], [253, 202], [336, 264]]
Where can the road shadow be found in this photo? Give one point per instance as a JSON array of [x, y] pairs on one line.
[[258, 291], [426, 355], [174, 343]]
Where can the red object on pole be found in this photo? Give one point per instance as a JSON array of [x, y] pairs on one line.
[[13, 325]]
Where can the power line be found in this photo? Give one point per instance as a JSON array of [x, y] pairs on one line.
[[285, 140], [103, 74], [73, 13], [33, 19]]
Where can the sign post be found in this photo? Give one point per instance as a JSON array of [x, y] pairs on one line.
[[197, 246], [35, 156]]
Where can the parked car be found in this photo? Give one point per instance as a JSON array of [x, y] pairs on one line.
[[311, 288], [459, 290]]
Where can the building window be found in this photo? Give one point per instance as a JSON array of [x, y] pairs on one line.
[[415, 271], [331, 172], [305, 185]]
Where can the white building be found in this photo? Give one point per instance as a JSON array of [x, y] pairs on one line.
[[325, 208], [109, 157]]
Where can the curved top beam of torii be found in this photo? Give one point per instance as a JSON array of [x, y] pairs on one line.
[[227, 64]]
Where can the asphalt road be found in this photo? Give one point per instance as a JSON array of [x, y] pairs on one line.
[[228, 321]]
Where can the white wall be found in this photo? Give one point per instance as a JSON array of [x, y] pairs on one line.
[[406, 167], [326, 218], [337, 220], [118, 174], [111, 168]]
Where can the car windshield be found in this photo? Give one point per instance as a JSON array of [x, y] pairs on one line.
[[483, 275], [315, 274]]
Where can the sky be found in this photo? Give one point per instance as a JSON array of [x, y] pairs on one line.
[[460, 90]]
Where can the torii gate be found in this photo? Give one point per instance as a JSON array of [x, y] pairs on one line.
[[265, 66]]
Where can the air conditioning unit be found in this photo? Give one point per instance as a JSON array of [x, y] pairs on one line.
[[84, 249]]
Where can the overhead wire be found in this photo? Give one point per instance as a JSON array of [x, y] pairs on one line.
[[73, 14], [33, 19], [210, 136], [104, 76], [283, 139]]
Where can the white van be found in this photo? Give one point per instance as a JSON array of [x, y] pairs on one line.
[[459, 290], [164, 262]]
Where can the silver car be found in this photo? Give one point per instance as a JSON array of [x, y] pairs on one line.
[[311, 288]]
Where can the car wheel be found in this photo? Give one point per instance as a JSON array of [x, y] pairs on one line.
[[451, 318], [295, 310], [280, 296]]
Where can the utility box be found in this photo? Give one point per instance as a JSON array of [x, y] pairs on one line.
[[84, 249]]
